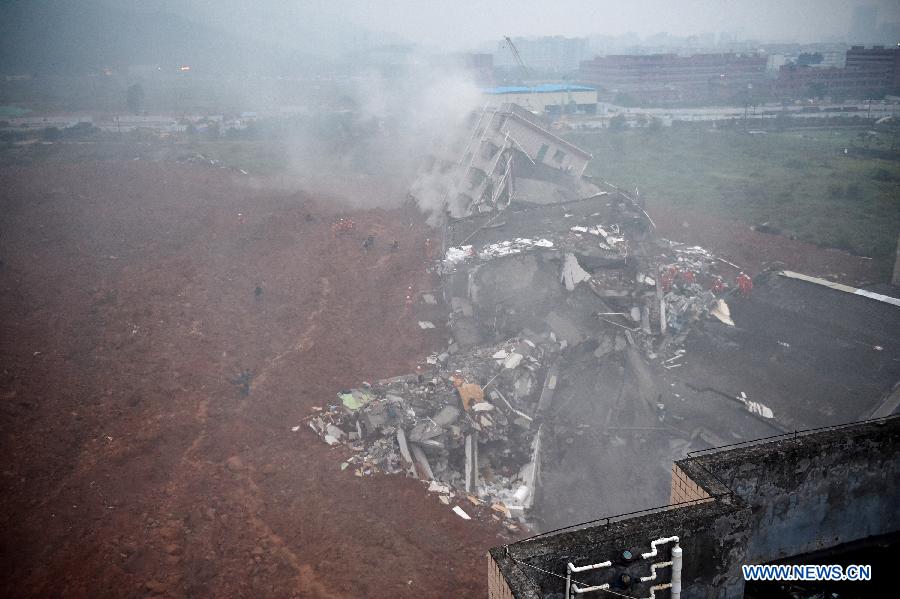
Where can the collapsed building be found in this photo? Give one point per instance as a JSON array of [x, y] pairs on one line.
[[585, 352], [506, 155]]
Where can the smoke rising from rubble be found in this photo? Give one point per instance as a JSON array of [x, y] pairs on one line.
[[370, 154]]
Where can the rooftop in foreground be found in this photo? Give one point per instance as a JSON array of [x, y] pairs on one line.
[[750, 503]]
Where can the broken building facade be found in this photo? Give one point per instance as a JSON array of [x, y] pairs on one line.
[[480, 170]]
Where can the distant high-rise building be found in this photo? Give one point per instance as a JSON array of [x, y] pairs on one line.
[[877, 59], [863, 25]]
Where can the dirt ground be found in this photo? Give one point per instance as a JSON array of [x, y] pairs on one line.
[[754, 251], [132, 464]]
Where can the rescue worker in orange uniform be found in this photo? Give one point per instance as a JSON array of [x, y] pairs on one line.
[[744, 284], [717, 286]]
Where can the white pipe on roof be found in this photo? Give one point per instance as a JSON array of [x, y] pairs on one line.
[[653, 569], [654, 546], [573, 569], [676, 571]]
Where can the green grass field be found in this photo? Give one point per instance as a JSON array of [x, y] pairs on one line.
[[799, 181]]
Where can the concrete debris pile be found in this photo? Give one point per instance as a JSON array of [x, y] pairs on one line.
[[691, 280], [467, 422], [557, 293], [510, 248], [613, 274]]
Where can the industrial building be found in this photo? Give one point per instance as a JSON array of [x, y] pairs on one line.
[[877, 59], [868, 73], [673, 78], [668, 78], [547, 98]]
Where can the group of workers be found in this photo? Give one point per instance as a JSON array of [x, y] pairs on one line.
[[672, 275]]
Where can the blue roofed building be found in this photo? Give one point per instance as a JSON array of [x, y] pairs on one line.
[[546, 98]]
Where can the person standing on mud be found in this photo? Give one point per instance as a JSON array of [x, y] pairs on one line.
[[369, 243]]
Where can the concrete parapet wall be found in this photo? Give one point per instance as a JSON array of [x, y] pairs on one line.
[[750, 504], [815, 491]]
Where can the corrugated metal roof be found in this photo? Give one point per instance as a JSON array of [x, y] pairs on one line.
[[544, 88]]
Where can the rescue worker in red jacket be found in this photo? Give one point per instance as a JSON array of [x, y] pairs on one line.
[[717, 286], [744, 284]]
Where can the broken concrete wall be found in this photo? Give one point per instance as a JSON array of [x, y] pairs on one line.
[[510, 294], [816, 491]]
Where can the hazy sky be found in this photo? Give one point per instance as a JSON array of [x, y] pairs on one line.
[[457, 24]]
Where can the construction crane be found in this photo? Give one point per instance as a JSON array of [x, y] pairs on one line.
[[518, 57]]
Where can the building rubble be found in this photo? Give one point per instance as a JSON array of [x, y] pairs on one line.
[[653, 288], [556, 287], [467, 422]]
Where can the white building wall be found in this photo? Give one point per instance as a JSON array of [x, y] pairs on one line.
[[531, 141]]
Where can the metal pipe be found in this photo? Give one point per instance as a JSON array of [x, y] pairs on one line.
[[675, 563], [600, 587], [676, 571], [576, 569], [654, 546], [653, 568], [572, 568]]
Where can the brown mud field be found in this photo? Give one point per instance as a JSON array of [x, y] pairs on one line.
[[132, 465]]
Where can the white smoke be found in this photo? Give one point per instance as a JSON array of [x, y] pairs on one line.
[[375, 155]]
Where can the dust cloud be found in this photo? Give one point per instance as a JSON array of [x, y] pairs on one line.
[[369, 155]]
